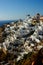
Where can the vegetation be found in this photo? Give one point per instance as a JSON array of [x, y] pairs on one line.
[[27, 60]]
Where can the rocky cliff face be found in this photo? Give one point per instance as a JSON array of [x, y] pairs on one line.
[[1, 37]]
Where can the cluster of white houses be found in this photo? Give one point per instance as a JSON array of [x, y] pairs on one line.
[[23, 37]]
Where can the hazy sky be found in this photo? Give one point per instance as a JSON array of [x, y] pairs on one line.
[[15, 9]]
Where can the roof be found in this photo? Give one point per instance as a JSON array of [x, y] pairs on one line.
[[41, 17]]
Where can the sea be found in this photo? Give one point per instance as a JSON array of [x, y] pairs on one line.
[[2, 22]]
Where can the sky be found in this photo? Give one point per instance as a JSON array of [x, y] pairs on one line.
[[16, 9]]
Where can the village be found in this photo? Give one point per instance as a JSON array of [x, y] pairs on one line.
[[22, 37]]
